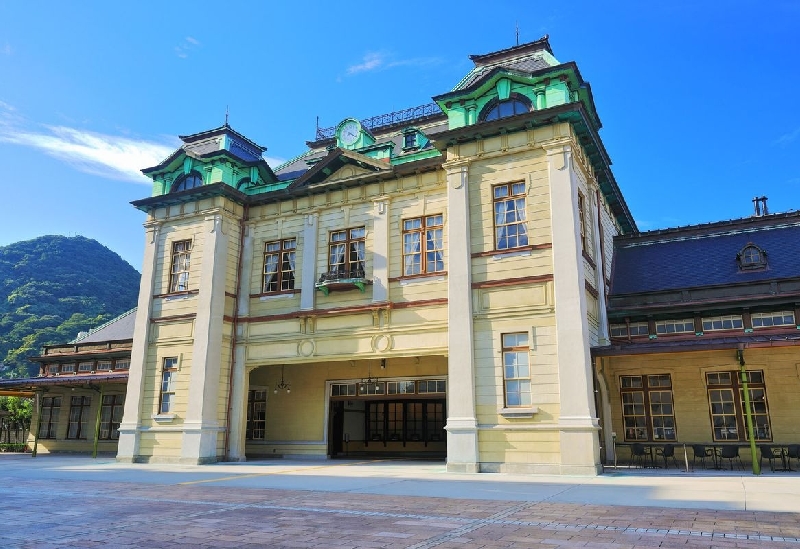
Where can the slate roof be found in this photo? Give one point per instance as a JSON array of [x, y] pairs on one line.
[[117, 329], [525, 58], [705, 343], [705, 255]]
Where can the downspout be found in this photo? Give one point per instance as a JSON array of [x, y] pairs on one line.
[[748, 413], [97, 421], [40, 402], [245, 216]]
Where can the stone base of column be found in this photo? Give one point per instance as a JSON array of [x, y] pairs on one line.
[[580, 446], [462, 445], [199, 444], [128, 444]]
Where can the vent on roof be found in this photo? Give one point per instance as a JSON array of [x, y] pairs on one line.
[[760, 206]]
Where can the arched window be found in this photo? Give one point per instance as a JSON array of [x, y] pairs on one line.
[[516, 104], [751, 257], [188, 181]]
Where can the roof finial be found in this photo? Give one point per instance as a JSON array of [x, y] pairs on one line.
[[517, 28], [226, 115]]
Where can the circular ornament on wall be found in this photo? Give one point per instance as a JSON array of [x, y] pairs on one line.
[[306, 347], [382, 343]]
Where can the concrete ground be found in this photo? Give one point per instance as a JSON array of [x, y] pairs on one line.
[[69, 501]]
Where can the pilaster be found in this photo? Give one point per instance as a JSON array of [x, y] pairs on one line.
[[380, 247], [309, 272], [128, 446], [462, 425], [201, 425], [578, 426], [237, 407]]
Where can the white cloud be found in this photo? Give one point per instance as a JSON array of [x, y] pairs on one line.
[[189, 43], [787, 138], [95, 153], [374, 61], [371, 62]]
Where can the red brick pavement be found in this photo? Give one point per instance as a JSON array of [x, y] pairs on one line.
[[65, 514]]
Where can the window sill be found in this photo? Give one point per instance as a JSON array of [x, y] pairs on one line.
[[511, 253], [163, 418], [420, 278], [177, 295], [275, 295], [518, 413]]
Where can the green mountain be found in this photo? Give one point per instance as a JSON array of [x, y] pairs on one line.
[[53, 287]]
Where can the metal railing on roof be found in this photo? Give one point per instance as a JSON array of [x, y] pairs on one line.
[[387, 119]]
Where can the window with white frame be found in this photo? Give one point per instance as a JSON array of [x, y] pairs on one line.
[[510, 220], [86, 366], [516, 369], [256, 414], [423, 245], [122, 364], [279, 265], [179, 271], [639, 329], [682, 326], [105, 365], [727, 322], [778, 318], [169, 374], [68, 368]]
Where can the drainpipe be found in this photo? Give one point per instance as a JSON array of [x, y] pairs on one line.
[[39, 401], [748, 414], [97, 420]]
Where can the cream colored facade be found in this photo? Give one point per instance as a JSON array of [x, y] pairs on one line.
[[226, 337]]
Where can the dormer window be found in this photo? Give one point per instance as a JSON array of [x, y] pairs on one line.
[[751, 258], [410, 140], [188, 181], [494, 110]]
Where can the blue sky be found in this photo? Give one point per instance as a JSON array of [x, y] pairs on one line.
[[699, 100]]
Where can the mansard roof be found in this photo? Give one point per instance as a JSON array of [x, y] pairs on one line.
[[705, 256], [116, 329], [527, 58]]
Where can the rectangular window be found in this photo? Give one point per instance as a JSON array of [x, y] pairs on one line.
[[347, 249], [416, 260], [516, 369], [343, 389], [104, 365], [394, 421], [510, 227], [619, 330], [582, 219], [181, 259], [53, 368], [51, 409], [279, 264], [67, 368], [683, 326], [727, 411], [86, 366], [431, 386], [405, 421], [400, 387], [647, 407], [256, 414], [779, 318], [169, 373], [78, 416], [727, 322], [122, 365], [111, 416], [434, 421]]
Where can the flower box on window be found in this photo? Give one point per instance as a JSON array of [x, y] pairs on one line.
[[342, 280]]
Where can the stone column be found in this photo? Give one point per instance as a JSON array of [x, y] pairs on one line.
[[128, 447], [309, 274], [201, 426], [580, 452], [237, 407], [462, 424], [380, 251]]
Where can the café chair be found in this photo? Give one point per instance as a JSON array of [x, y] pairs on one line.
[[701, 453], [731, 453], [768, 453], [667, 451], [793, 452], [638, 453]]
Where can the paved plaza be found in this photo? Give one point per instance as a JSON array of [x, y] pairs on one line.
[[60, 502]]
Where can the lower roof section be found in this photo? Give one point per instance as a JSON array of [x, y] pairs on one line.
[[659, 346]]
